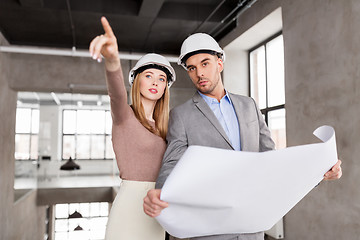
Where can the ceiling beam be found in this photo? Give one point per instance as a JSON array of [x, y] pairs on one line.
[[150, 8], [72, 52], [32, 3]]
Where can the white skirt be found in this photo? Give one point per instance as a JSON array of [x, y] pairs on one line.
[[127, 220]]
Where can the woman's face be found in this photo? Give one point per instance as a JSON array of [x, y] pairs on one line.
[[152, 84]]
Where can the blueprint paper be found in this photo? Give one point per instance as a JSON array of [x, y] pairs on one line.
[[215, 191]]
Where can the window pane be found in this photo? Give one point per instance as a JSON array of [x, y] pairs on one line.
[[22, 146], [74, 222], [69, 124], [74, 207], [108, 122], [34, 147], [23, 120], [258, 76], [35, 121], [109, 148], [61, 210], [93, 226], [97, 147], [97, 234], [277, 126], [98, 122], [61, 225], [83, 147], [61, 235], [97, 227], [275, 71], [85, 209], [84, 121], [98, 222], [68, 147], [104, 209], [95, 209], [79, 235]]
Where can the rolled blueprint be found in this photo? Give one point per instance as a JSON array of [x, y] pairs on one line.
[[216, 191]]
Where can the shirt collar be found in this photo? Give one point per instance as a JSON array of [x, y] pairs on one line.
[[210, 100]]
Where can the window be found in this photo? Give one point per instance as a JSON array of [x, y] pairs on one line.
[[267, 85], [26, 133], [89, 222], [87, 134]]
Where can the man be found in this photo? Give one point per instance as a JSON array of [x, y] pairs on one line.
[[212, 118]]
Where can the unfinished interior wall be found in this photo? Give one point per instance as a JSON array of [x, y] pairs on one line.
[[321, 41], [22, 220]]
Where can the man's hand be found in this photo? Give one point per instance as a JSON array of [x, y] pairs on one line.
[[334, 173], [152, 203]]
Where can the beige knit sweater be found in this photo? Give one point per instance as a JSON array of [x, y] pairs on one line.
[[138, 152]]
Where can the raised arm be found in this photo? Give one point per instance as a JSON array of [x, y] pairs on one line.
[[106, 45]]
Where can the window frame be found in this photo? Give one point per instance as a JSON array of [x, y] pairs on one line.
[[30, 133], [87, 218], [265, 111], [76, 135]]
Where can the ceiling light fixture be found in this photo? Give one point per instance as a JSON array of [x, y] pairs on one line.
[[75, 214], [70, 165]]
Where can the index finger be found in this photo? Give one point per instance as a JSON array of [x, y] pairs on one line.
[[107, 28]]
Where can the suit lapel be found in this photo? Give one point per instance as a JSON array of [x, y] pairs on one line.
[[208, 113], [239, 110]]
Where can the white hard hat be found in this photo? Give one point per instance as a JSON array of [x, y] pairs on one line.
[[153, 60], [199, 43]]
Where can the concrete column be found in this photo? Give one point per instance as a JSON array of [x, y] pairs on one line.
[[7, 147], [23, 220], [322, 86]]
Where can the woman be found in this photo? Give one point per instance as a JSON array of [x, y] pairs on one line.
[[138, 134]]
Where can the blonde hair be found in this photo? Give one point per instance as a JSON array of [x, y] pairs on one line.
[[161, 110]]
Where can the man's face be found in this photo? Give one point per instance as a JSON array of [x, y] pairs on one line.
[[204, 70]]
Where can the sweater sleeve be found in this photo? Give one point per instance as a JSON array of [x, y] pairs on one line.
[[120, 110]]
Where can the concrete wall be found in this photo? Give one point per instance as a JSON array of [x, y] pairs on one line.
[[322, 87], [27, 219], [43, 73], [7, 139], [23, 220]]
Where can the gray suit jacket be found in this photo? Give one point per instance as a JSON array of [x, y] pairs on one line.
[[194, 123]]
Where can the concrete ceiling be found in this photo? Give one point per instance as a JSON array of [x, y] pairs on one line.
[[140, 25]]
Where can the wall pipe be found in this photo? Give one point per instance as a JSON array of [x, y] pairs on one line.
[[246, 7], [210, 15], [240, 4], [71, 53]]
